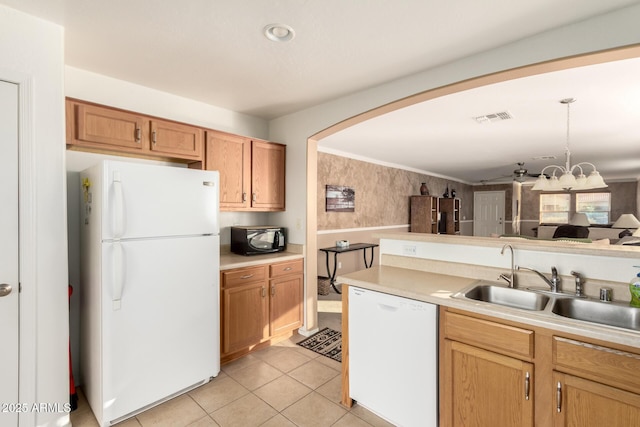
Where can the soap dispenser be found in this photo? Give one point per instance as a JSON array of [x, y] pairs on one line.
[[634, 288]]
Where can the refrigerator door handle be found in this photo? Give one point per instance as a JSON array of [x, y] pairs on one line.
[[118, 275], [118, 206]]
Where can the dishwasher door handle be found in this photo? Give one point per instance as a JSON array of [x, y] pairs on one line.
[[386, 307]]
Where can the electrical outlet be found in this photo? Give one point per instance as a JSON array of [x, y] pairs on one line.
[[339, 265], [409, 250]]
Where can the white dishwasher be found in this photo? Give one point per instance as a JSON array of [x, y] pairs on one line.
[[393, 357]]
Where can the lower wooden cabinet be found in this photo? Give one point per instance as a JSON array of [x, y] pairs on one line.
[[595, 385], [486, 388], [245, 308], [285, 302], [586, 403], [484, 379], [260, 304], [541, 378]]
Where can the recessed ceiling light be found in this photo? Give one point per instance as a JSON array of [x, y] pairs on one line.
[[279, 32]]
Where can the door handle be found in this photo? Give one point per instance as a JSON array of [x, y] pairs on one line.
[[5, 289]]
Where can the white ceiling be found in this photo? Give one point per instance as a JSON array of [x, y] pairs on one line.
[[214, 51], [441, 137]]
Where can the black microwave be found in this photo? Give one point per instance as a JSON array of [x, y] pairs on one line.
[[254, 240]]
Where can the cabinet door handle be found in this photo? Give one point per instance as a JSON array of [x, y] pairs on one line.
[[527, 385], [254, 197], [273, 291], [244, 197], [264, 292], [153, 136], [559, 397], [246, 276], [138, 135]]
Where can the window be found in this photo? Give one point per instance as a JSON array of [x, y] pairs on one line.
[[597, 206], [554, 208]]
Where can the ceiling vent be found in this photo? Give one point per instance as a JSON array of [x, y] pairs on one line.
[[495, 117]]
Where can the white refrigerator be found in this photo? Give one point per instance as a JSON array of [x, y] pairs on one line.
[[150, 251]]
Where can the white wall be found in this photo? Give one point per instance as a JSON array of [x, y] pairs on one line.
[[591, 267], [32, 53], [117, 93], [615, 29]]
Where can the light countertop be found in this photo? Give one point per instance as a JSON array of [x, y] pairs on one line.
[[231, 260], [437, 289]]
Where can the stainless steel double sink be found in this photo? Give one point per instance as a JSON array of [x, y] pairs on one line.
[[561, 304]]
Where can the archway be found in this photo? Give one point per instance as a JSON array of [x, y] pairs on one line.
[[497, 77]]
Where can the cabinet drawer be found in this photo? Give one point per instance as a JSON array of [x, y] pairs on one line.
[[508, 340], [285, 268], [607, 365], [242, 276]]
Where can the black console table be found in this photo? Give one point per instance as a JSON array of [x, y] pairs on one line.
[[338, 250]]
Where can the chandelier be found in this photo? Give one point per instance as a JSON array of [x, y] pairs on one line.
[[568, 181]]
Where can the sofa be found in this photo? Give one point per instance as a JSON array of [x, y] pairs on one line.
[[595, 233], [579, 234]]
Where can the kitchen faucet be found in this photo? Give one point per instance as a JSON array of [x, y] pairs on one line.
[[578, 277], [511, 278], [553, 282]]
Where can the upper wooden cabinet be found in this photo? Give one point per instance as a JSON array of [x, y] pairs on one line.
[[176, 139], [252, 172], [267, 175], [94, 127], [231, 156]]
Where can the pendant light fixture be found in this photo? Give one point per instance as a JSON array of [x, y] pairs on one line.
[[568, 181]]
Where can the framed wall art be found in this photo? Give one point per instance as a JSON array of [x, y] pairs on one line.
[[340, 198]]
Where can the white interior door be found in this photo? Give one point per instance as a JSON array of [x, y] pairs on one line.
[[488, 213], [9, 254]]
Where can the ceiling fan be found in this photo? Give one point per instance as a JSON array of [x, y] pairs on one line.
[[520, 174]]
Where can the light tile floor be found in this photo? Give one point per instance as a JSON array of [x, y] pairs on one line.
[[283, 385]]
